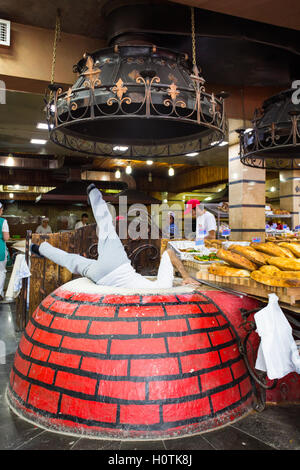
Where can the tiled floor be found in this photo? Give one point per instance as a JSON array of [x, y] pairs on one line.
[[277, 427]]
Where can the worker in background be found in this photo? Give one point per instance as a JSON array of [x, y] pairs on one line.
[[83, 222], [202, 218], [44, 228], [4, 236]]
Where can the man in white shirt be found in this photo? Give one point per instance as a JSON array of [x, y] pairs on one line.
[[204, 219], [44, 228], [83, 222], [113, 267]]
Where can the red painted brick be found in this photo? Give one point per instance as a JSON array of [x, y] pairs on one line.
[[95, 311], [238, 369], [29, 328], [114, 328], [221, 320], [231, 352], [25, 346], [203, 322], [87, 409], [154, 367], [43, 318], [62, 359], [158, 298], [215, 379], [40, 354], [245, 386], [77, 383], [84, 297], [123, 389], [141, 311], [51, 339], [186, 410], [48, 301], [161, 390], [46, 400], [87, 345], [121, 299], [139, 414], [209, 308], [41, 373], [65, 308], [191, 298], [138, 346], [188, 343], [117, 367], [220, 337], [65, 294], [195, 362], [72, 326], [163, 326], [182, 309], [20, 387], [226, 398], [21, 364]]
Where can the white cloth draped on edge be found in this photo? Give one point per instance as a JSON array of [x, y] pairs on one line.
[[277, 353]]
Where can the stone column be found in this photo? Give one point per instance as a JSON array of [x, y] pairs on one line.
[[290, 195], [246, 197]]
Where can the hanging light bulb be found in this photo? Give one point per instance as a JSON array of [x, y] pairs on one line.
[[149, 162], [118, 174], [150, 177], [128, 170], [171, 171]]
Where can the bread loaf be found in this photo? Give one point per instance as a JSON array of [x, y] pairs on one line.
[[274, 281], [273, 271], [222, 270], [293, 247], [250, 253], [270, 248], [286, 264], [236, 260]]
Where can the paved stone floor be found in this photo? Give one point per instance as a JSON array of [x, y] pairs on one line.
[[276, 428]]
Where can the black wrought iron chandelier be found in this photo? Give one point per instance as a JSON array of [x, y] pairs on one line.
[[274, 141], [136, 101]]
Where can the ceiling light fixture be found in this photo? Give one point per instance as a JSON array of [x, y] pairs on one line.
[[152, 116], [171, 171], [128, 170], [38, 141], [118, 174], [149, 162], [192, 154], [274, 140]]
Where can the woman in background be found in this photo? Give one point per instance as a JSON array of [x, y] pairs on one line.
[[4, 236]]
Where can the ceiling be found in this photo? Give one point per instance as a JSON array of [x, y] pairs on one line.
[[257, 46]]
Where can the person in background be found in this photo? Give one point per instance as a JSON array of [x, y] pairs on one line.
[[171, 229], [202, 218], [83, 221], [4, 236], [44, 228]]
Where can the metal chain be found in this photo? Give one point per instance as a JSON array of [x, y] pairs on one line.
[[193, 35], [56, 39]]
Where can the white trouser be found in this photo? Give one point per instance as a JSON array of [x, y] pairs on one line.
[[111, 253]]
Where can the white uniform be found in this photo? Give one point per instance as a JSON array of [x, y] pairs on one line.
[[207, 221], [43, 230], [79, 225], [113, 267]]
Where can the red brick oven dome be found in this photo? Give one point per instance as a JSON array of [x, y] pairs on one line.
[[155, 364]]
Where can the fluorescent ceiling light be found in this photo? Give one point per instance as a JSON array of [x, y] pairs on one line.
[[192, 154], [223, 143], [120, 148], [38, 141], [42, 125]]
